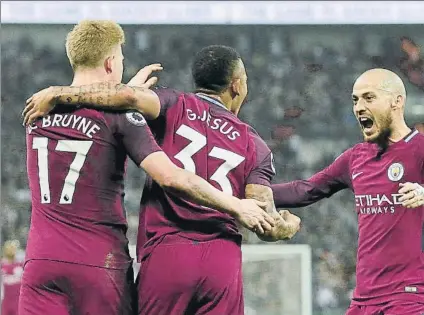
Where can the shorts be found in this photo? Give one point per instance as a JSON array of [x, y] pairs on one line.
[[395, 307], [60, 288], [181, 276], [8, 308]]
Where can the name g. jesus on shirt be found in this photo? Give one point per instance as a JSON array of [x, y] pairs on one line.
[[223, 127]]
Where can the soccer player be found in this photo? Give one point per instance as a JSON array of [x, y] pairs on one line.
[[77, 253], [386, 174], [11, 276], [191, 256]]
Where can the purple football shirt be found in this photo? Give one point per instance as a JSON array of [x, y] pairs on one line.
[[76, 162], [11, 277], [200, 135], [390, 259]]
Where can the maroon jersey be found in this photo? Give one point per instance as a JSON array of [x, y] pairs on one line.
[[76, 164], [390, 260], [199, 134], [11, 275]]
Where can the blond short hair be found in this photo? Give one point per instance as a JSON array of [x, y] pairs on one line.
[[91, 40]]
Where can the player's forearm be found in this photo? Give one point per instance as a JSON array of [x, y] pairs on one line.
[[299, 193], [102, 94], [107, 95], [261, 193], [195, 189]]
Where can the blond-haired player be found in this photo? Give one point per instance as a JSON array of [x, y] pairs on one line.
[[77, 253]]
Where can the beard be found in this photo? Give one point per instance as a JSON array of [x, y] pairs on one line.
[[384, 129], [382, 139]]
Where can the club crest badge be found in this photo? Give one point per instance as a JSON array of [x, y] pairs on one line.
[[395, 172], [136, 118]]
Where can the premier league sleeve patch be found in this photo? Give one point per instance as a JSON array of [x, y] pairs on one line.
[[136, 119]]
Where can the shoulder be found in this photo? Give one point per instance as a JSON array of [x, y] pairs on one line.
[[260, 147], [252, 131], [96, 115], [117, 121], [168, 95], [350, 153], [418, 141], [360, 148], [253, 134]]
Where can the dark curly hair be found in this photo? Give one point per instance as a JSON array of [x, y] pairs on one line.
[[213, 68]]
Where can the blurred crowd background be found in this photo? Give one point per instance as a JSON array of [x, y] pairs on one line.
[[300, 80]]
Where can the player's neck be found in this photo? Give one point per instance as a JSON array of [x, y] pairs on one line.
[[89, 76], [216, 97], [399, 132], [228, 101]]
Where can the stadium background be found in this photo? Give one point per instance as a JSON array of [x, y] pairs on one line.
[[300, 79]]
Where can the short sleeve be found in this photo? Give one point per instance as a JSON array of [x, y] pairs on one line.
[[263, 168], [167, 97], [135, 135]]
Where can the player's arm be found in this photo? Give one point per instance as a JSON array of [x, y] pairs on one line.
[[300, 193], [286, 224], [258, 187], [103, 95], [262, 193], [194, 188], [135, 95]]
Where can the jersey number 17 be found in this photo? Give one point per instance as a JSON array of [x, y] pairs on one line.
[[81, 149]]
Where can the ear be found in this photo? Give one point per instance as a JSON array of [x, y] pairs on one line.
[[399, 102], [108, 64], [236, 86]]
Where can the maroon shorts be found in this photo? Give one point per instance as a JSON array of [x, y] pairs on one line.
[[390, 308], [181, 276], [51, 287]]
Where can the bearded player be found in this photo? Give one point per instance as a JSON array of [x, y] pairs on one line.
[[11, 277], [77, 253], [191, 256], [386, 174]]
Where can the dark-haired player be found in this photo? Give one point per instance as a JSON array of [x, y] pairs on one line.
[[386, 174], [191, 256], [77, 253]]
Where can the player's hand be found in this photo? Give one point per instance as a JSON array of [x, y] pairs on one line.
[[292, 222], [412, 195], [253, 216], [287, 225], [140, 79], [39, 105]]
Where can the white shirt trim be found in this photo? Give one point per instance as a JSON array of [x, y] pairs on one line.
[[409, 138], [211, 99]]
